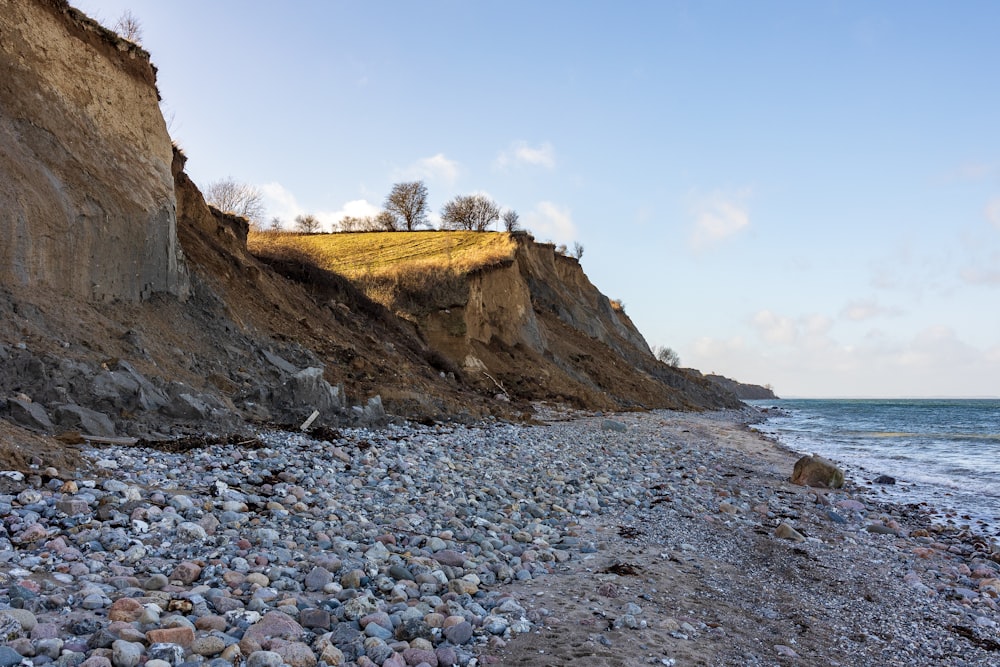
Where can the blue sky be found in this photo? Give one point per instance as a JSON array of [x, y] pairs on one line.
[[799, 194]]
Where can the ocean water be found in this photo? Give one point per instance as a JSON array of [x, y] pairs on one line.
[[945, 453]]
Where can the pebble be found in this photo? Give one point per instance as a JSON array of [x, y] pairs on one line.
[[385, 547]]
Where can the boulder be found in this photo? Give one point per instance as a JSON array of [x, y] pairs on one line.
[[30, 415], [816, 471], [306, 391], [73, 417]]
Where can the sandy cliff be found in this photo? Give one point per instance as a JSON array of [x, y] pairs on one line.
[[542, 330], [86, 198]]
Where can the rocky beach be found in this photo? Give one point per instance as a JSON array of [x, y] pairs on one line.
[[584, 539]]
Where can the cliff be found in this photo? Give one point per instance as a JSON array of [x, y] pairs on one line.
[[743, 391], [129, 307], [517, 319], [86, 198]]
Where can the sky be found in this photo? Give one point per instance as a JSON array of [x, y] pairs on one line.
[[798, 194]]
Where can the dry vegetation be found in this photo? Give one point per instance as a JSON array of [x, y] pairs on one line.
[[409, 273]]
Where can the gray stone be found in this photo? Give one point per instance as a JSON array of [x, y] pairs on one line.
[[9, 657], [459, 634], [126, 654], [30, 415], [317, 578], [169, 653], [307, 390], [612, 425], [264, 659], [85, 420]]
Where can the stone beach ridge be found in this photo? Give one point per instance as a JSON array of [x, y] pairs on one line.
[[648, 538]]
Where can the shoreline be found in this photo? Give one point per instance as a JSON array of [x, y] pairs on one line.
[[587, 540], [877, 584]]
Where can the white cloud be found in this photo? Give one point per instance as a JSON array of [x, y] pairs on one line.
[[775, 328], [992, 212], [719, 216], [282, 203], [550, 221], [981, 276], [434, 168], [866, 309], [520, 153], [800, 357]]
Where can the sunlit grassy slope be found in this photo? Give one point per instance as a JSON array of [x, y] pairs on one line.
[[408, 271]]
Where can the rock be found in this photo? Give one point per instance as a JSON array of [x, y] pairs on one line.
[[10, 628], [274, 624], [459, 634], [450, 557], [816, 471], [126, 654], [30, 415], [186, 572], [9, 657], [208, 646], [74, 417], [191, 532], [155, 582], [315, 619], [96, 661], [264, 659], [182, 636], [73, 506], [612, 425], [786, 532], [884, 479], [416, 656], [317, 578], [125, 609], [24, 617], [168, 652], [296, 654], [307, 390]]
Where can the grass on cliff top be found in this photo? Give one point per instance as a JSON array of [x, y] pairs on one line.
[[408, 272]]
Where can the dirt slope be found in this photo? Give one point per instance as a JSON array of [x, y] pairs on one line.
[[519, 319]]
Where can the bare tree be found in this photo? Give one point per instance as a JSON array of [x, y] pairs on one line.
[[307, 223], [128, 27], [407, 202], [578, 250], [275, 224], [240, 199], [385, 221], [510, 219], [472, 212], [666, 355]]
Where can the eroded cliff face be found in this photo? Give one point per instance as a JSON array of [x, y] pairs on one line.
[[537, 328], [86, 192]]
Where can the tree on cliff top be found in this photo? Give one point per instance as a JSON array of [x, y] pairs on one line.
[[128, 27], [472, 212], [240, 199], [407, 202]]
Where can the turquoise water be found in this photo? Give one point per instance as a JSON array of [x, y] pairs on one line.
[[945, 453]]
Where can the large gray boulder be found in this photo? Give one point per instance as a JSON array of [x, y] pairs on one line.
[[30, 415], [70, 416]]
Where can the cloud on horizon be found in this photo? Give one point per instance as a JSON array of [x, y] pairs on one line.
[[719, 216], [521, 153], [434, 168], [282, 203]]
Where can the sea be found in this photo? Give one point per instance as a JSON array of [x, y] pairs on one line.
[[943, 454]]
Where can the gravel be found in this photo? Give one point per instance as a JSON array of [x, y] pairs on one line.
[[402, 545]]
